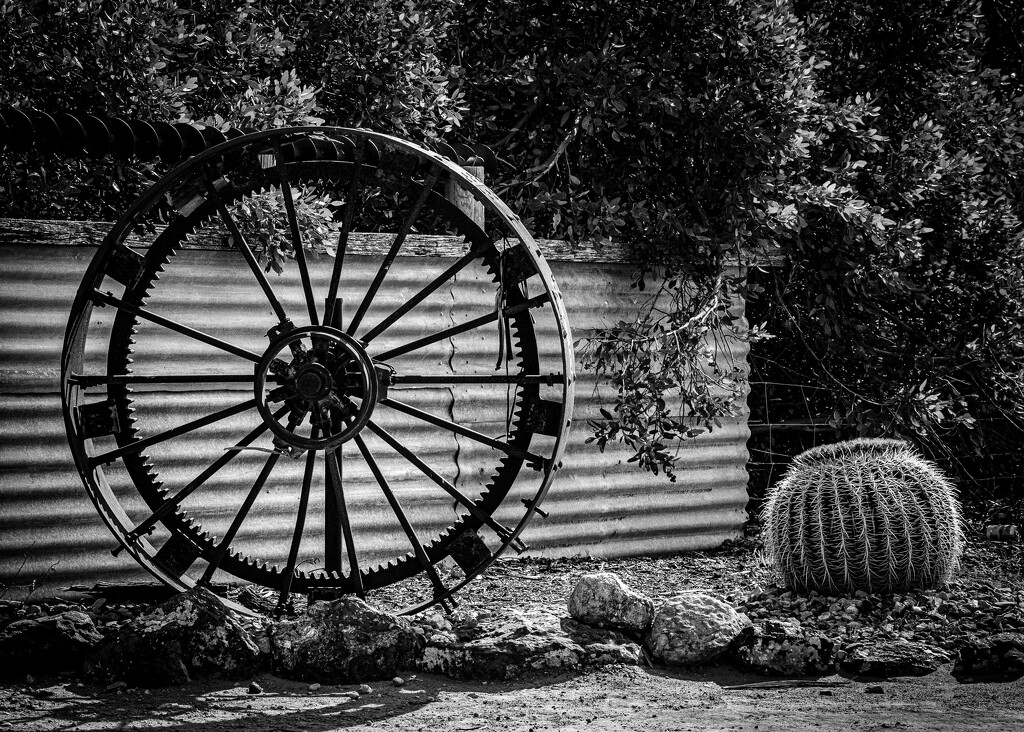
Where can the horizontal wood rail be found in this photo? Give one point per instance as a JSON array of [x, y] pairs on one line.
[[36, 232]]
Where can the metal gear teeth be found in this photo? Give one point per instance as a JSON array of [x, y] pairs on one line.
[[182, 230]]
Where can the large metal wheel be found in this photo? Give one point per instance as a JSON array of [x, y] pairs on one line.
[[229, 423]]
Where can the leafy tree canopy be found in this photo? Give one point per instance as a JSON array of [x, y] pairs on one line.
[[874, 146]]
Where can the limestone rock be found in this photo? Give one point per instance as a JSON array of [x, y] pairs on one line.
[[188, 636], [602, 599], [693, 628], [50, 643], [603, 646], [893, 658], [499, 647], [515, 643], [783, 649], [342, 641], [998, 656]]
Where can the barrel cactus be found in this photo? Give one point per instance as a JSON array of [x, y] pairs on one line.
[[868, 514]]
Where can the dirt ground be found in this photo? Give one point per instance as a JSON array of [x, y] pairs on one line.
[[615, 698]]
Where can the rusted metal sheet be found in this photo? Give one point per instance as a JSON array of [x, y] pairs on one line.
[[599, 505]]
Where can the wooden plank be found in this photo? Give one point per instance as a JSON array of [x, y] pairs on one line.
[[36, 232]]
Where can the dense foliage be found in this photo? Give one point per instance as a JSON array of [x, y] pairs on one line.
[[868, 143], [243, 63], [874, 147], [916, 322]]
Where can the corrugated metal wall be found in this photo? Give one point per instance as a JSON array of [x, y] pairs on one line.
[[599, 505]]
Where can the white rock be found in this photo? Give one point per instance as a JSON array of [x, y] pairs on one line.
[[693, 628], [603, 600]]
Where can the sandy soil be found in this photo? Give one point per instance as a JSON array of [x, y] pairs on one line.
[[616, 698]]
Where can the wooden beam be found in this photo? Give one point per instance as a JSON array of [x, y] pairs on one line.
[[36, 232]]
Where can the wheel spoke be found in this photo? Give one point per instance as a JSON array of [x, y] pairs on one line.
[[140, 445], [300, 523], [333, 539], [172, 503], [346, 527], [396, 245], [293, 225], [399, 380], [320, 378], [346, 227], [236, 523], [118, 379], [460, 264], [463, 327], [105, 298], [243, 246], [537, 461], [503, 531], [396, 506]]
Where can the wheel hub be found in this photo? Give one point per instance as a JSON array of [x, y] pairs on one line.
[[313, 382], [326, 378]]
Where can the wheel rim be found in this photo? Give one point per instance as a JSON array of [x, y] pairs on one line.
[[320, 388]]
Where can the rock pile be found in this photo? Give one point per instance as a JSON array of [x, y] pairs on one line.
[[784, 648], [975, 626], [189, 636], [57, 642], [342, 641], [504, 646], [871, 632]]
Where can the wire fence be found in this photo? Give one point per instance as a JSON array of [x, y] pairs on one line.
[[787, 418]]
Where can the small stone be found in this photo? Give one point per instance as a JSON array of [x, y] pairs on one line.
[[365, 689], [503, 645], [255, 688], [314, 687], [893, 658], [351, 694], [398, 681], [602, 599], [875, 689], [116, 686], [29, 679], [48, 644], [188, 636], [339, 642], [783, 648], [693, 628]]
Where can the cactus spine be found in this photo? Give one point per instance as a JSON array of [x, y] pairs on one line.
[[868, 514]]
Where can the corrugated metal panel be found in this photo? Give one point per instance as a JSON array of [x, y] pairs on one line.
[[599, 505]]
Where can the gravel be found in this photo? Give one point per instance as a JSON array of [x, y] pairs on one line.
[[986, 598]]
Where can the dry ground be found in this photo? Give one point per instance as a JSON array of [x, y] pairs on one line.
[[615, 698]]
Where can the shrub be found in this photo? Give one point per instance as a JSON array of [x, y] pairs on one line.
[[867, 514], [255, 64]]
